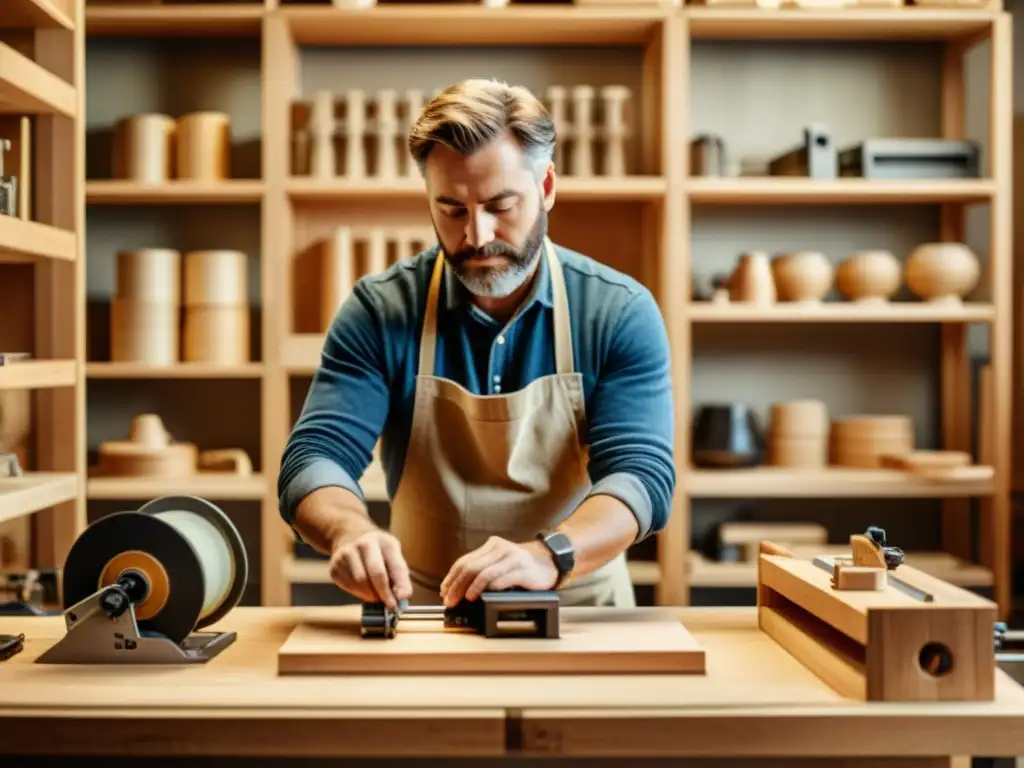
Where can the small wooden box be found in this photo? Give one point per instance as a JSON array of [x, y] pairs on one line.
[[879, 645]]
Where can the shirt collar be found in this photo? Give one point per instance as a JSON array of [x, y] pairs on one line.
[[457, 295]]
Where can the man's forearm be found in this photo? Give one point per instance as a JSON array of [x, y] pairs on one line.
[[600, 528], [329, 515]]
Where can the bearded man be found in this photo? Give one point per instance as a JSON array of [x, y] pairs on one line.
[[520, 391]]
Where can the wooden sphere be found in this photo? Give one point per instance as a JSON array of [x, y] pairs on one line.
[[869, 276], [942, 271]]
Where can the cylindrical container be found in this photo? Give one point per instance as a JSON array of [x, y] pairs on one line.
[[860, 441], [143, 148], [217, 334], [204, 146], [144, 332], [216, 278], [150, 275], [799, 434], [337, 273]]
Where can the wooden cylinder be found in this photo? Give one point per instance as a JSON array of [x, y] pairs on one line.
[[216, 334], [149, 275], [143, 148], [144, 332], [337, 273], [861, 441], [216, 278], [204, 146], [799, 434]]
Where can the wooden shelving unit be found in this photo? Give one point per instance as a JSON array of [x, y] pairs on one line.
[[42, 269], [657, 205]]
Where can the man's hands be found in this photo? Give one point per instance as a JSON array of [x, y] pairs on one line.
[[499, 564], [371, 568]]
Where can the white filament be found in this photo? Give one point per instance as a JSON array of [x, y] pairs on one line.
[[215, 556]]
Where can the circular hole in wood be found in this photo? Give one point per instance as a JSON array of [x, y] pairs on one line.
[[935, 659]]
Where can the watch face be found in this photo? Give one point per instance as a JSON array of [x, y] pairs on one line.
[[559, 543]]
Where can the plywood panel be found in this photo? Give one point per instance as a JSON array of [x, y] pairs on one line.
[[592, 641]]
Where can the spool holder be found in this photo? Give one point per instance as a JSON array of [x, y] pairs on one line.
[[108, 620], [516, 613]]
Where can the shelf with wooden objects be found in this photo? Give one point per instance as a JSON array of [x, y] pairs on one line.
[[648, 221], [42, 289], [174, 192], [833, 348]]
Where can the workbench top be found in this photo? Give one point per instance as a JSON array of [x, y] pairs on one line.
[[755, 700]]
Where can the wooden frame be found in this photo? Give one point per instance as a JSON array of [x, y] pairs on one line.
[[665, 202], [42, 269]]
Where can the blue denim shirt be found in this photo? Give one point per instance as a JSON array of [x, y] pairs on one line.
[[365, 384]]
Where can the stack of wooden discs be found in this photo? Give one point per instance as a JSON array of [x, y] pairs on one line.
[[862, 441], [216, 307], [145, 313], [798, 434]]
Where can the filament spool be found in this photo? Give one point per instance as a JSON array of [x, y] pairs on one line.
[[186, 549]]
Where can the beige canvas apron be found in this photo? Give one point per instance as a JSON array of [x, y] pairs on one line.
[[507, 465]]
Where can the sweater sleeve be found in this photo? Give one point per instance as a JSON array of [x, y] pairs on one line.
[[631, 420], [345, 409]]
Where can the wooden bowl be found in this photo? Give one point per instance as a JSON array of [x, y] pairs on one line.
[[942, 272], [869, 276], [803, 276]]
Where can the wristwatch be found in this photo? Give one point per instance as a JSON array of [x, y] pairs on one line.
[[562, 553]]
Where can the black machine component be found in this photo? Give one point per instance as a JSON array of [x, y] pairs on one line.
[[893, 555], [507, 613], [138, 584], [11, 645]]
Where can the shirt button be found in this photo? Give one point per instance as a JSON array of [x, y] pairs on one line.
[[501, 339], [497, 389], [497, 379]]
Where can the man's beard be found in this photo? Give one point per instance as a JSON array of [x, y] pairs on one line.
[[500, 281]]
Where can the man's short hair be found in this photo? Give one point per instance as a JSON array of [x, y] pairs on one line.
[[468, 116]]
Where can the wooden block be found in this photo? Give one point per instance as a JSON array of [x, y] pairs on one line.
[[592, 641], [858, 577], [880, 645]]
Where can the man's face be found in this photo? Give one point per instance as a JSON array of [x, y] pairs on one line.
[[490, 214]]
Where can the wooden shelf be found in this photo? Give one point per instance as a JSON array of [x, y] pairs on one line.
[[21, 239], [179, 371], [841, 312], [35, 491], [192, 20], [29, 89], [569, 189], [215, 486], [472, 24], [40, 14], [834, 482], [710, 574], [38, 374], [907, 23], [124, 192], [785, 190]]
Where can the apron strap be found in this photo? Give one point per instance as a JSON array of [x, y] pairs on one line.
[[560, 300], [428, 339]]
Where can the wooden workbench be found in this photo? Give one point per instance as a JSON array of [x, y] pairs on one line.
[[755, 701]]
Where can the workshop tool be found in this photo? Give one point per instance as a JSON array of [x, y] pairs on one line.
[[138, 584], [493, 614], [870, 552], [874, 644]]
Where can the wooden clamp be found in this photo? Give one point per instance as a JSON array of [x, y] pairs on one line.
[[879, 645]]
